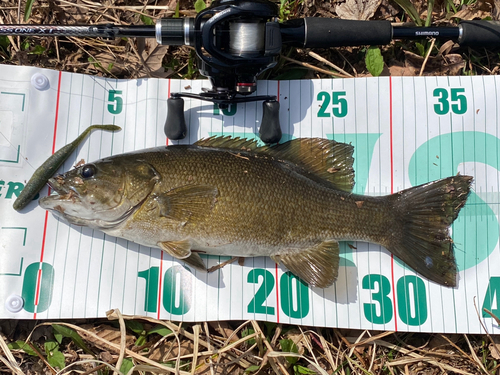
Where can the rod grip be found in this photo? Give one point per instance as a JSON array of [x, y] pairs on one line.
[[175, 124], [480, 33], [328, 32], [270, 129]]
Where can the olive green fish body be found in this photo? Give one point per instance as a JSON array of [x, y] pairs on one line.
[[260, 204], [291, 202]]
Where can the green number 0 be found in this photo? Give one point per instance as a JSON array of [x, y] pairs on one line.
[[30, 286]]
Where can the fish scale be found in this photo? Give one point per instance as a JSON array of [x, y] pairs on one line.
[[292, 202]]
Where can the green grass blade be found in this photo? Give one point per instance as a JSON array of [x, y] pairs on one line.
[[410, 9], [27, 9]]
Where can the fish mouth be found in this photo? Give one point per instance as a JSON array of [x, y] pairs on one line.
[[60, 191]]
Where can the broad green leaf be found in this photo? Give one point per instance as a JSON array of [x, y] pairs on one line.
[[20, 344], [4, 41], [374, 61], [147, 20], [73, 335], [134, 326], [54, 356], [289, 346], [247, 332], [58, 337], [303, 370], [50, 345], [421, 49], [199, 5], [56, 359], [38, 50], [252, 368], [160, 329], [127, 364]]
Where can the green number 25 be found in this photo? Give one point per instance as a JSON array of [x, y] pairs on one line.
[[339, 104]]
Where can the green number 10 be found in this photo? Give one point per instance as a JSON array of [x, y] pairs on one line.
[[175, 279]]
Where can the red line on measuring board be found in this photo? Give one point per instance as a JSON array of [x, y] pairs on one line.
[[42, 252], [159, 286], [168, 97], [392, 192], [277, 295]]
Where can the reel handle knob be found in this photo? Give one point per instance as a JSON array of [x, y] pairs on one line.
[[175, 124], [270, 130]]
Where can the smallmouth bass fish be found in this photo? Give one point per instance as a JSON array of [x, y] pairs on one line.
[[291, 201]]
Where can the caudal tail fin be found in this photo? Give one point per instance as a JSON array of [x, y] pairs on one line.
[[420, 236]]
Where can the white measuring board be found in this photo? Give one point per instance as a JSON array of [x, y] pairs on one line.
[[406, 131]]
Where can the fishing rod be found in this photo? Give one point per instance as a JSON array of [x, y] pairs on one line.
[[236, 40]]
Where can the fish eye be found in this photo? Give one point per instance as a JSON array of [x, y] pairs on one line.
[[88, 171]]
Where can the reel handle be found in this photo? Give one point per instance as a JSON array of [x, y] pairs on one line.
[[270, 129], [175, 124]]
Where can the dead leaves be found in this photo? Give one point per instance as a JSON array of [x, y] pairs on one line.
[[358, 9], [152, 54], [479, 9]]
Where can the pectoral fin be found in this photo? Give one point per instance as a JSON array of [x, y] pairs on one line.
[[187, 203], [318, 265]]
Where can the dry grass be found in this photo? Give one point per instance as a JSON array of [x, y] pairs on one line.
[[234, 347], [242, 347]]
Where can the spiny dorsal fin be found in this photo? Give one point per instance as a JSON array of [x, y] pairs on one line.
[[318, 266], [322, 158], [239, 144]]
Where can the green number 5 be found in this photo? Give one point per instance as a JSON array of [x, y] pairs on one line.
[[117, 102]]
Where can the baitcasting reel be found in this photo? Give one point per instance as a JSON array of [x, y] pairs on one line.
[[236, 40]]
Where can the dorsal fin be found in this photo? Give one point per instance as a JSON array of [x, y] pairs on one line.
[[240, 144], [324, 158], [321, 159]]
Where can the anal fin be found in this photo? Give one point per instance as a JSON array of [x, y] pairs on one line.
[[318, 265], [194, 260]]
